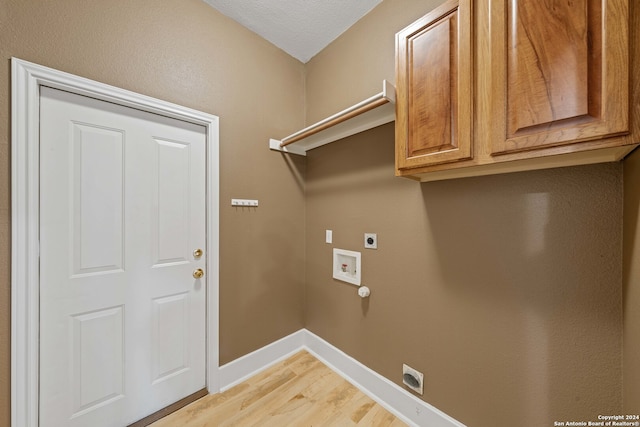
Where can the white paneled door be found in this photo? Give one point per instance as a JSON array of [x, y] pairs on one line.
[[122, 215]]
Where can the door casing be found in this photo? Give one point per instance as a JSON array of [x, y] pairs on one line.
[[25, 154]]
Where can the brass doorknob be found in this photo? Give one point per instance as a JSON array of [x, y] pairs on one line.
[[198, 273], [197, 253]]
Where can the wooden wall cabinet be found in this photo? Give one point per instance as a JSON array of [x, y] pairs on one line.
[[546, 84], [433, 93]]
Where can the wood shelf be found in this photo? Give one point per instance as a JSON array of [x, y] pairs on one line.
[[374, 111]]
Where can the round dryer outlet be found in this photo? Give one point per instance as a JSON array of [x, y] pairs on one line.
[[412, 379]]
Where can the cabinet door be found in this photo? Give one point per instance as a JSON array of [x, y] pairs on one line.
[[433, 93], [559, 72]]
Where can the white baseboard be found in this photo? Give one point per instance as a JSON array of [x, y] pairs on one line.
[[250, 364], [392, 397]]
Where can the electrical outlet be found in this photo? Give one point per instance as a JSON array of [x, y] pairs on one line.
[[370, 241], [413, 379]]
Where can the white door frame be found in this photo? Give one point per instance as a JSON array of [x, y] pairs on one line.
[[26, 79]]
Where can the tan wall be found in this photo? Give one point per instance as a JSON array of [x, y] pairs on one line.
[[631, 271], [352, 68], [504, 290], [184, 52], [509, 286], [631, 285]]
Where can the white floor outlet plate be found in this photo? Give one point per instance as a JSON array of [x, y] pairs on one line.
[[412, 379]]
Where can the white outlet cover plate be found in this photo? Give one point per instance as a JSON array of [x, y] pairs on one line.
[[368, 245], [328, 236]]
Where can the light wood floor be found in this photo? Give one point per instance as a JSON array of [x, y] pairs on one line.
[[299, 391]]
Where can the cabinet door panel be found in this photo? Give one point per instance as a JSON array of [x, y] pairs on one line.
[[433, 115], [563, 76], [431, 73]]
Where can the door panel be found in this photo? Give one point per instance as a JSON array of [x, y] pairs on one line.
[[170, 331], [122, 320], [97, 165], [171, 202], [97, 358]]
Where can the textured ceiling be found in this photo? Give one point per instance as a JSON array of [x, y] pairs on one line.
[[302, 28]]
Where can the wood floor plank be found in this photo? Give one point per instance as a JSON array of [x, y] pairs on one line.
[[313, 404], [377, 417], [330, 403], [298, 391], [291, 393]]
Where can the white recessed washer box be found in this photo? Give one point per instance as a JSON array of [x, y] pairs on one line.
[[347, 266]]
